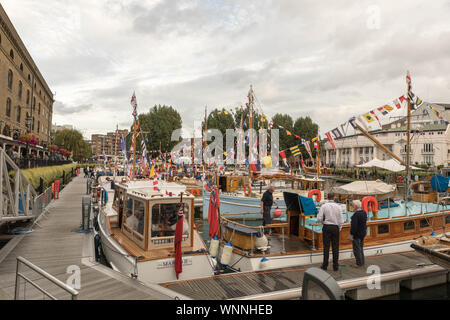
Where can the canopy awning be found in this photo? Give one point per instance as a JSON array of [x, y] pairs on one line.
[[377, 187], [391, 165]]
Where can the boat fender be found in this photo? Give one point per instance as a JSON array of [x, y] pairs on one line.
[[264, 263], [261, 242], [227, 254], [214, 247], [315, 192]]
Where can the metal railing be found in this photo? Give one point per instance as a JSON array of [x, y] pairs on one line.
[[46, 275]]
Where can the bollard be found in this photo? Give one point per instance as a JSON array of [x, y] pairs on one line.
[[85, 212], [53, 190]]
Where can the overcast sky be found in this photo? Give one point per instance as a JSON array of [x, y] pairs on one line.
[[327, 59]]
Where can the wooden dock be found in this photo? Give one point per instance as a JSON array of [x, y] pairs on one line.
[[55, 245], [265, 284]]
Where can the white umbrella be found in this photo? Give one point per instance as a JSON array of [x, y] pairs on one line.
[[391, 165]]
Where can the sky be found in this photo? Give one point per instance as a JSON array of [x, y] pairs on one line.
[[329, 60]]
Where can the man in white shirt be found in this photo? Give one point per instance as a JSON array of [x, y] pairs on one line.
[[330, 215]]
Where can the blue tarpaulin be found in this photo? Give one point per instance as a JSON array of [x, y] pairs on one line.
[[439, 183], [308, 205]]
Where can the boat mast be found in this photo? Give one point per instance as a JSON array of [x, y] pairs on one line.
[[318, 161], [408, 145], [250, 140], [205, 142]]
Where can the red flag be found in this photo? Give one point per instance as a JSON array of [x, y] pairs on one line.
[[330, 139], [283, 155], [213, 220], [178, 240], [402, 98]]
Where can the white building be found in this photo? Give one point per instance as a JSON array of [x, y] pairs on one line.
[[430, 140]]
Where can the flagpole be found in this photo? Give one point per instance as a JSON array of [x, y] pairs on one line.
[[318, 163], [250, 140], [115, 152]]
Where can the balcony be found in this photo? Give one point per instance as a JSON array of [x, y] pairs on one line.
[[427, 151], [403, 151]]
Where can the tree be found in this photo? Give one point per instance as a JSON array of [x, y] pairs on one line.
[[285, 120], [73, 141], [159, 123], [306, 129]]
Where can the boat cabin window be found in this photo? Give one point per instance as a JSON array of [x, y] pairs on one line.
[[164, 219], [134, 220], [383, 228], [409, 225], [424, 223], [447, 219]]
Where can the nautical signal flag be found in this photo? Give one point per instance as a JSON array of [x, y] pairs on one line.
[[295, 151], [255, 167], [337, 133], [282, 155], [368, 117], [267, 161], [330, 139], [383, 112]]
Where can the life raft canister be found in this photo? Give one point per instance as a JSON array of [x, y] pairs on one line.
[[247, 189], [370, 203], [315, 192]]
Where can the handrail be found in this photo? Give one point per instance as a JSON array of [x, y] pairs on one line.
[[45, 274]]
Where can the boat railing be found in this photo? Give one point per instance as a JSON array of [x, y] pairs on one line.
[[22, 261]]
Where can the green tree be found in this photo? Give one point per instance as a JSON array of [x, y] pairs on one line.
[[285, 120], [158, 125], [306, 129], [73, 141]]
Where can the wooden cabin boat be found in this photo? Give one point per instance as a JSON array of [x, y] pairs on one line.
[[136, 230], [245, 203], [437, 249], [423, 192], [297, 236]]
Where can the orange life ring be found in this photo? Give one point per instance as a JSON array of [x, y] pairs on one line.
[[247, 189], [195, 192], [315, 192], [370, 203]]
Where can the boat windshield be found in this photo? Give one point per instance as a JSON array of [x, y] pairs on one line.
[[164, 219]]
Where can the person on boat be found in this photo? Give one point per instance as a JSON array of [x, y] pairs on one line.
[[358, 231], [266, 206], [330, 215]]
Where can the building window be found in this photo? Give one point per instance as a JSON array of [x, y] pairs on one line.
[[21, 67], [20, 90], [19, 110], [29, 78], [8, 107], [383, 228], [39, 126], [11, 54], [32, 124], [28, 97], [447, 219], [39, 108], [428, 147], [10, 79], [409, 225]]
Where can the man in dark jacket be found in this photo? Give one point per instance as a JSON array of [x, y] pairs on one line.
[[358, 232], [266, 206]]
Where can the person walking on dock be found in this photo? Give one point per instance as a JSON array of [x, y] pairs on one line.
[[266, 206], [358, 231], [330, 215]]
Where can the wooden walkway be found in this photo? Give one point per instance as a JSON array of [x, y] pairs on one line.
[[54, 246], [236, 285]]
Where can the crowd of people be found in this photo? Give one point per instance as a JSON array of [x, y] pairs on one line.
[[31, 159]]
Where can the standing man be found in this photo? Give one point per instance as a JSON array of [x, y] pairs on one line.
[[330, 215], [266, 206], [358, 231]]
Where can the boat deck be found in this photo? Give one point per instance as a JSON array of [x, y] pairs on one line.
[[54, 246], [239, 285]]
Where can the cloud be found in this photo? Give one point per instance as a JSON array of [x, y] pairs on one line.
[[302, 57]]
